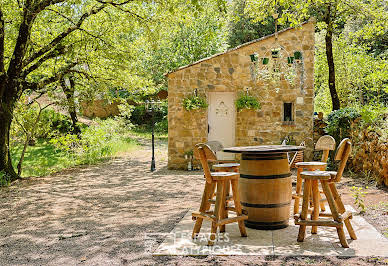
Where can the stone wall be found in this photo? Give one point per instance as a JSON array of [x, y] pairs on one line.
[[99, 108], [231, 72]]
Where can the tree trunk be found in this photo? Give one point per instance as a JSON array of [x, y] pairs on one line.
[[5, 154], [330, 59], [69, 92]]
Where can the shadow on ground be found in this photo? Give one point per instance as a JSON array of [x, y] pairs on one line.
[[101, 215]]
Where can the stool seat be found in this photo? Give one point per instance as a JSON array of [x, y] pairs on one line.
[[224, 175], [311, 165], [225, 165], [315, 175]]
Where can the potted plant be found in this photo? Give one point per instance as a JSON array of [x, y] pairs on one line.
[[298, 56], [194, 103], [246, 101]]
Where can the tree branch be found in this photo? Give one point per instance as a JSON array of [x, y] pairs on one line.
[[34, 86], [42, 5], [115, 4], [58, 50], [24, 33], [64, 34]]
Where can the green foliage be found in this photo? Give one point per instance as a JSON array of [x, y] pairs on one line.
[[50, 122], [371, 114], [57, 123], [361, 78], [95, 142], [4, 179], [194, 103], [190, 34], [141, 117], [358, 195], [339, 122], [242, 27], [162, 126], [247, 102]]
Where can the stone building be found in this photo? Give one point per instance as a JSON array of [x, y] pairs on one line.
[[284, 89]]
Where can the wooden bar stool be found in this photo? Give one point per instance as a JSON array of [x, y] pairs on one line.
[[325, 144], [221, 204], [226, 167], [337, 208]]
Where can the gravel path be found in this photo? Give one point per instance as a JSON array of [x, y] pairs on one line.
[[100, 215]]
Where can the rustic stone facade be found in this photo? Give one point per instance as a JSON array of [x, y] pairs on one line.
[[232, 72]]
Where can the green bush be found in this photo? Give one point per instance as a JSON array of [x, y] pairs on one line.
[[95, 142], [4, 179], [371, 114], [162, 126], [57, 123], [139, 115], [339, 122], [247, 102]]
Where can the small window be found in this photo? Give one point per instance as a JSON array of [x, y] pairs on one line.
[[287, 115]]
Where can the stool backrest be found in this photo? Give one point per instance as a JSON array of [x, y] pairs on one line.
[[203, 153], [215, 145], [325, 143], [298, 157], [342, 155]]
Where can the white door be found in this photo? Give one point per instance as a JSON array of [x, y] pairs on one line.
[[221, 119]]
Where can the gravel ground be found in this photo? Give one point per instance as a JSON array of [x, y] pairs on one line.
[[101, 215]]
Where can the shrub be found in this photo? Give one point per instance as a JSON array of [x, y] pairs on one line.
[[57, 123], [339, 123], [139, 115], [95, 142], [4, 179]]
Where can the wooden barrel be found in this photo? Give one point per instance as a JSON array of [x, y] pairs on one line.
[[265, 190]]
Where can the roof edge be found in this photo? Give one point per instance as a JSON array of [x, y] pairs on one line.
[[311, 20]]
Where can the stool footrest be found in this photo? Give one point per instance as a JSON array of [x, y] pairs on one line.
[[204, 215], [346, 215], [319, 223], [232, 220]]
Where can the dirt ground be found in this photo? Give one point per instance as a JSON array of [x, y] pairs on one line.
[[101, 215]]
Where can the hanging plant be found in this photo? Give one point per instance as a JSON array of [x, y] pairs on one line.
[[247, 102], [194, 103]]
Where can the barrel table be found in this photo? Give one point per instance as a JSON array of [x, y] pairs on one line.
[[265, 184]]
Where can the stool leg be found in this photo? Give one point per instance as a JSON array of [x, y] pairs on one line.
[[322, 203], [224, 205], [334, 212], [217, 210], [315, 214], [298, 191], [341, 208], [205, 206], [305, 207], [237, 205]]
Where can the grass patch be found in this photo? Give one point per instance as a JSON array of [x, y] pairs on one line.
[[43, 158]]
